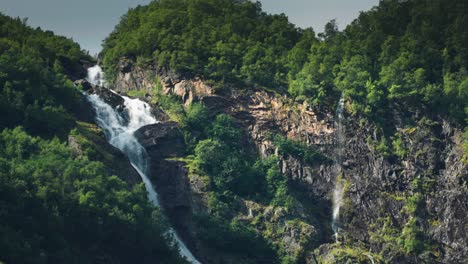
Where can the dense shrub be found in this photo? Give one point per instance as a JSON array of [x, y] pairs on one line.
[[57, 208]]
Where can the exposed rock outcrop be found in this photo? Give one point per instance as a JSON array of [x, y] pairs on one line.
[[108, 96], [161, 140], [84, 84], [377, 186]]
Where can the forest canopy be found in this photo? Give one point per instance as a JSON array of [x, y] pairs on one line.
[[57, 206], [410, 53]]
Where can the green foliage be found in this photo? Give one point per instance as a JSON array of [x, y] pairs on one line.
[[48, 120], [396, 242], [399, 147], [383, 147], [222, 40], [35, 91], [58, 205], [407, 56], [412, 236], [346, 254], [225, 130], [398, 53], [288, 260], [383, 232], [231, 168], [211, 159], [298, 150], [171, 105], [235, 237], [197, 117], [220, 205], [137, 93], [276, 184], [222, 157], [57, 208], [414, 203], [406, 53]]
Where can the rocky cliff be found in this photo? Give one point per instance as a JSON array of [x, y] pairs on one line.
[[408, 207]]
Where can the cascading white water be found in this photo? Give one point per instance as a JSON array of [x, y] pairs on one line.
[[119, 132], [95, 76], [339, 187]]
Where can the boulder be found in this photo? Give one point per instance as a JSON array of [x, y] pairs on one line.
[[161, 140], [108, 96], [85, 85]]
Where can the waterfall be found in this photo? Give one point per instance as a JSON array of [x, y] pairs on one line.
[[338, 151], [96, 76], [119, 131]]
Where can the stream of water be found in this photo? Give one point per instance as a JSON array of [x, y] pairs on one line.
[[339, 150], [119, 130]]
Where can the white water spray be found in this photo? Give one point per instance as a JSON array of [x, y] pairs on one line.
[[339, 187], [119, 132], [96, 76]]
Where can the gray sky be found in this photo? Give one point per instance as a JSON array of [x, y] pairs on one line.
[[89, 21]]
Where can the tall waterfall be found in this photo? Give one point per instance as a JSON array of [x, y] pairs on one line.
[[339, 149], [119, 131]]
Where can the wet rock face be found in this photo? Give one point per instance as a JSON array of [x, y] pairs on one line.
[[163, 141], [170, 178], [108, 96], [381, 187]]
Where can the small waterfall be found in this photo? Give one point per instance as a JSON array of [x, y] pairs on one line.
[[119, 132], [95, 76], [338, 151]]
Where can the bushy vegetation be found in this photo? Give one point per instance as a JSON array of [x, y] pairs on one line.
[[57, 206], [35, 89], [235, 237], [299, 150], [342, 254], [219, 152], [222, 40], [398, 54], [408, 57]]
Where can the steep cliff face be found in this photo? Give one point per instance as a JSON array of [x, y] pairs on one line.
[[395, 205]]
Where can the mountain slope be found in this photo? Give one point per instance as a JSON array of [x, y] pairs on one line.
[[264, 159], [59, 200]]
